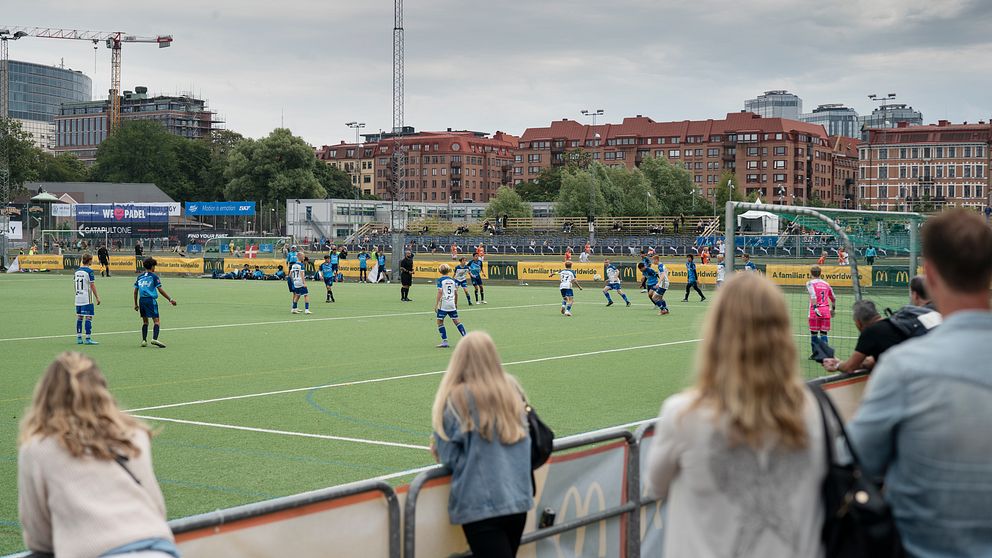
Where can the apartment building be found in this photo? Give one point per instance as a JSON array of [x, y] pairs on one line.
[[357, 160]]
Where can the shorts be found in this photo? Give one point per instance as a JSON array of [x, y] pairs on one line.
[[476, 281], [461, 284], [660, 290], [870, 259], [453, 314], [300, 291], [817, 323], [289, 283], [566, 293], [334, 268], [329, 281], [613, 286], [148, 307], [84, 310], [406, 280]]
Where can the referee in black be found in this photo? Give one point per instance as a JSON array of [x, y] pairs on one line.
[[104, 258], [406, 275]]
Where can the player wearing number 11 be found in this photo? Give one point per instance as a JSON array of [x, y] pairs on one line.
[[446, 304], [85, 285]]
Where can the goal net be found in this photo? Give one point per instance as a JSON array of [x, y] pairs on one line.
[[863, 255], [244, 247]]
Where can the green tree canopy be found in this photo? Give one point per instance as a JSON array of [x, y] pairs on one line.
[[273, 169], [335, 181], [581, 195], [22, 155], [673, 187], [63, 167], [507, 202]]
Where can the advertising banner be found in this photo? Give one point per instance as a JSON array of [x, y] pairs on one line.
[[49, 262], [220, 208], [267, 265], [122, 213], [123, 230], [547, 271], [61, 210], [14, 230], [891, 276], [179, 265], [836, 275], [502, 270], [190, 236], [705, 273]]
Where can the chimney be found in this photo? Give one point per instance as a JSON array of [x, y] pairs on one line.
[[942, 122], [449, 129], [639, 116]]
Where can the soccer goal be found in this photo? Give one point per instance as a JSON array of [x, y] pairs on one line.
[[246, 246], [863, 255], [55, 241]]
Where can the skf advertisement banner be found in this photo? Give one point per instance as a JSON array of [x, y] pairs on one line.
[[268, 265], [179, 265], [837, 275], [220, 208], [122, 213], [49, 262]]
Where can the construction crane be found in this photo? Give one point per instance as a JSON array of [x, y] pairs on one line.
[[113, 39]]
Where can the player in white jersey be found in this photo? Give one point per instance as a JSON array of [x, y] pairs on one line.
[[85, 283], [446, 304], [613, 283], [298, 280], [566, 279], [721, 271], [461, 278]]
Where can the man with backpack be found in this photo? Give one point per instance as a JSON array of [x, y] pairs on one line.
[[877, 335]]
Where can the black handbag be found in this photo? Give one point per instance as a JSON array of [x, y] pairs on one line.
[[858, 522], [541, 439]]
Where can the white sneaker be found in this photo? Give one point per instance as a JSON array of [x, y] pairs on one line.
[[295, 311], [567, 313], [484, 302], [307, 312]]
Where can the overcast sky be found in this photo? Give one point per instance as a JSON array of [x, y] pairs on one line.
[[510, 64]]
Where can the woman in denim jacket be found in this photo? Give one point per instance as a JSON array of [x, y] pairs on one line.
[[480, 433]]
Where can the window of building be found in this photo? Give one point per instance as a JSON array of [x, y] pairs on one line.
[[713, 152], [673, 153], [778, 177], [883, 173], [752, 164], [967, 171], [779, 164], [979, 171], [752, 151], [883, 153], [534, 158], [967, 153], [952, 171]]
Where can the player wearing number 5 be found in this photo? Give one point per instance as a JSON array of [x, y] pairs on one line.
[[146, 290], [567, 279], [822, 305], [85, 286], [446, 304]]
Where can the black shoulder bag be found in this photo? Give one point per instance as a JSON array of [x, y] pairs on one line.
[[857, 522], [541, 442]]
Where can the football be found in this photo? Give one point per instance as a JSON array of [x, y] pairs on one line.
[[597, 277]]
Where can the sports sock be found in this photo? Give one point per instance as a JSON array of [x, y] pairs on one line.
[[89, 328], [79, 326], [332, 297], [306, 305], [443, 332], [155, 330], [660, 303], [664, 304], [622, 296], [461, 329], [608, 296], [813, 341], [477, 295], [294, 305], [568, 308], [824, 339], [482, 293], [144, 332], [564, 303]]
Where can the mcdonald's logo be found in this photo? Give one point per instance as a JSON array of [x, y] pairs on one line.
[[902, 278], [502, 270], [582, 508], [881, 276]]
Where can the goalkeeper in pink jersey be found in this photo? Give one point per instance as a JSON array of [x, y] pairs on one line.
[[822, 305]]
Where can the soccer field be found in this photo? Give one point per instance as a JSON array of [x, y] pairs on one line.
[[251, 402]]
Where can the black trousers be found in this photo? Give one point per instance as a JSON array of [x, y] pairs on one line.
[[693, 285], [363, 274], [496, 537], [871, 260]]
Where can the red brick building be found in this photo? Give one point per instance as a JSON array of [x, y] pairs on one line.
[[923, 167], [844, 154], [784, 161]]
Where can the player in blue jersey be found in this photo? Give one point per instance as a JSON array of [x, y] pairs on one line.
[[655, 287], [85, 283], [692, 279], [475, 274], [292, 256], [613, 283], [380, 260], [328, 272], [461, 278], [647, 264], [363, 267], [146, 290], [297, 277], [566, 279], [446, 304], [335, 259], [749, 265]]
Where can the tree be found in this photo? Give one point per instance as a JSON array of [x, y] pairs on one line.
[[580, 195], [673, 188], [63, 167], [507, 202], [273, 169], [22, 155], [627, 192], [544, 188], [222, 143], [725, 193], [335, 181]]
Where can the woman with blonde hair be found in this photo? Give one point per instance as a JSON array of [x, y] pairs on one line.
[[739, 457], [480, 433], [85, 478]]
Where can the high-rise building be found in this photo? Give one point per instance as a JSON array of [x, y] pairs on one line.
[[836, 118], [782, 160], [889, 116], [37, 93], [81, 127], [775, 104], [917, 168]]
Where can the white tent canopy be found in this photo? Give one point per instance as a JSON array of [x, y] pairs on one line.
[[761, 222]]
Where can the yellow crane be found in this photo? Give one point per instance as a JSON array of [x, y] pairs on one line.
[[113, 40]]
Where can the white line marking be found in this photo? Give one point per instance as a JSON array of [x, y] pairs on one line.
[[403, 473], [276, 322], [285, 432], [401, 377]]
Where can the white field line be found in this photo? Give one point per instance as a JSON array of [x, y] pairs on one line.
[[277, 322], [402, 377], [285, 432]]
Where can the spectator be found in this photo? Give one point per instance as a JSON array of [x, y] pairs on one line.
[[280, 273], [870, 254], [925, 419], [918, 293], [876, 336], [258, 275], [85, 480], [480, 433], [138, 250], [740, 457]]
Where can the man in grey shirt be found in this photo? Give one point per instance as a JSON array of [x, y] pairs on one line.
[[926, 419]]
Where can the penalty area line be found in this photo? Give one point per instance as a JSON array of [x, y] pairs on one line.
[[403, 377], [283, 432]]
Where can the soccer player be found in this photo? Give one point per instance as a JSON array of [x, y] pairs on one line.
[[85, 286], [104, 257], [380, 260], [567, 279], [297, 276], [692, 280], [363, 267], [328, 273], [749, 265], [721, 271], [653, 282], [292, 256], [446, 304], [646, 260], [613, 283], [475, 272], [822, 259], [822, 304], [461, 278], [870, 254], [335, 259], [842, 258], [146, 290]]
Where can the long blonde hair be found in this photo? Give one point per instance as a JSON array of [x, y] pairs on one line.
[[475, 373], [748, 365], [73, 405]]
